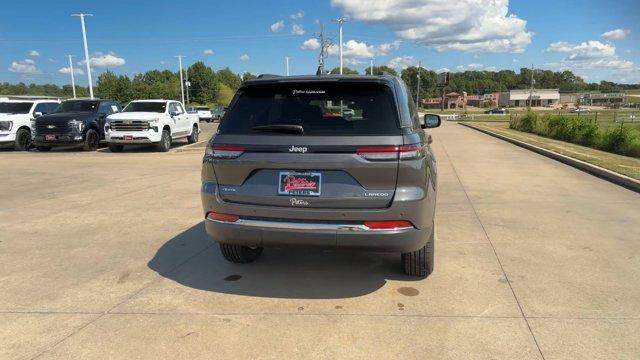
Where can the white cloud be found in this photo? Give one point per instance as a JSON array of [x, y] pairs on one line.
[[356, 49], [515, 61], [475, 67], [244, 57], [592, 49], [443, 70], [617, 34], [297, 29], [277, 26], [104, 60], [67, 70], [26, 67], [402, 62], [34, 53], [52, 60], [464, 25], [297, 15], [207, 52], [311, 44]]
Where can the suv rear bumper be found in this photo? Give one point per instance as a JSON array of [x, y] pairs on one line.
[[277, 233]]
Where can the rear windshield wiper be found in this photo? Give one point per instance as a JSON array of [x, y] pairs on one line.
[[283, 128]]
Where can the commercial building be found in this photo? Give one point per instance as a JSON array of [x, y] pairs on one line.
[[602, 99], [535, 97]]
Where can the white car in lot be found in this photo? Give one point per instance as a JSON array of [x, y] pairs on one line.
[[16, 117], [153, 122], [204, 113]]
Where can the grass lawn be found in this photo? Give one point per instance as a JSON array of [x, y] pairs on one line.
[[621, 164]]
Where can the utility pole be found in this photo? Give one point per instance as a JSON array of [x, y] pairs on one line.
[[287, 59], [187, 84], [86, 51], [324, 46], [418, 91], [531, 90], [371, 68], [73, 81], [181, 83], [340, 22]]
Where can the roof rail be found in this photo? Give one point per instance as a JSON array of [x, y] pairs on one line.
[[268, 76]]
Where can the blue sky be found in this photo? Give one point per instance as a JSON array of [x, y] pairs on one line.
[[596, 39]]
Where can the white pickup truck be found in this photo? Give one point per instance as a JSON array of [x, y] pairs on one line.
[[153, 122], [16, 120]]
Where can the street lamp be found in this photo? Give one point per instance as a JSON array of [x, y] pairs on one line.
[[340, 21], [181, 81], [73, 82], [86, 50]]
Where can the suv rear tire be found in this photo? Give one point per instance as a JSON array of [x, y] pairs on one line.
[[23, 140], [165, 141], [91, 140], [193, 138], [240, 254], [420, 262]]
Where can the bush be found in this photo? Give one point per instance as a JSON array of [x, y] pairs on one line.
[[527, 123], [621, 141], [580, 130]]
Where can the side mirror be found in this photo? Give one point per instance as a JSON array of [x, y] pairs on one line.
[[37, 114], [431, 121], [173, 113]]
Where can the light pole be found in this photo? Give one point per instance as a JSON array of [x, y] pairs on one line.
[[181, 82], [418, 91], [371, 68], [73, 81], [531, 90], [287, 59], [86, 50], [340, 21]]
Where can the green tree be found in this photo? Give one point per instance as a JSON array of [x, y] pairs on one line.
[[381, 70], [229, 78], [204, 86], [248, 76], [345, 71]]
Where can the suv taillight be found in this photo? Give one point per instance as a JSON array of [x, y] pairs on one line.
[[224, 151], [383, 153]]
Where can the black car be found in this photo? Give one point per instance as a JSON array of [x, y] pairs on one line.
[[74, 123], [496, 111]]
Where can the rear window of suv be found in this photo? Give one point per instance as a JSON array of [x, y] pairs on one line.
[[336, 108]]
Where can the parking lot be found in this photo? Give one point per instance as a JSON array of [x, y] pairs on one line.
[[104, 255]]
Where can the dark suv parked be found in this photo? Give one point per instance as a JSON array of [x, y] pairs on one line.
[[74, 123], [333, 161]]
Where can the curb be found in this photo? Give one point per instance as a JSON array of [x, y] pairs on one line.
[[618, 179]]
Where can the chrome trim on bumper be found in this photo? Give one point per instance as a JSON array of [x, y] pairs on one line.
[[320, 227]]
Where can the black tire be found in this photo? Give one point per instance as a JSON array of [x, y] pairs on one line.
[[91, 140], [43, 148], [420, 262], [23, 140], [208, 121], [193, 138], [240, 254], [165, 141], [116, 148]]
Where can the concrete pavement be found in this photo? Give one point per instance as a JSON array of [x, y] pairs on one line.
[[105, 256]]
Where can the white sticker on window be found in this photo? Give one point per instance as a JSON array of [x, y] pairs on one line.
[[114, 108], [296, 92]]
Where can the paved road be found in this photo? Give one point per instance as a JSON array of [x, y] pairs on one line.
[[104, 256]]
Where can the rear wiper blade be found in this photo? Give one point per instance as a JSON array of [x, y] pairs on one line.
[[285, 128]]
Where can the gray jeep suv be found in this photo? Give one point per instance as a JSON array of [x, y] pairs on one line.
[[333, 161]]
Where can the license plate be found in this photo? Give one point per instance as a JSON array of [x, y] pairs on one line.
[[128, 137], [299, 184], [50, 137]]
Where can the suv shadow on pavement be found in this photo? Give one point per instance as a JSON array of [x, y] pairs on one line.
[[193, 260]]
